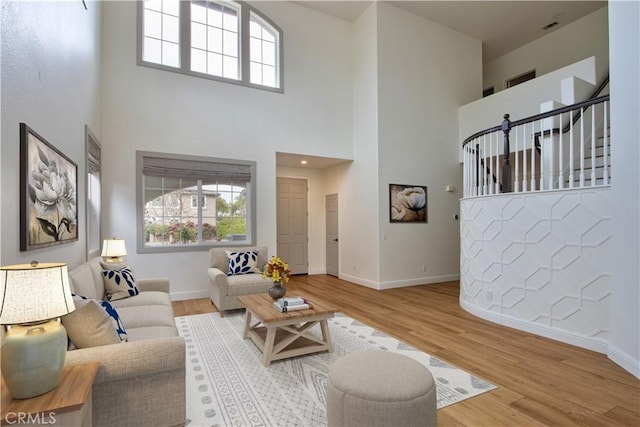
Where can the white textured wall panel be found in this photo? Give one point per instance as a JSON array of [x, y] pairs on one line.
[[540, 262]]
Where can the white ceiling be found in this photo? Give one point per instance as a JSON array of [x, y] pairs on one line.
[[501, 25]]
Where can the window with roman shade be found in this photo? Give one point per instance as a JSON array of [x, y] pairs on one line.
[[169, 220]]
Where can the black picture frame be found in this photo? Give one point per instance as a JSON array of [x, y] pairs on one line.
[[407, 203], [48, 193]]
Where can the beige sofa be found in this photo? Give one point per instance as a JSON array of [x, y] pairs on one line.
[[141, 382], [225, 289]]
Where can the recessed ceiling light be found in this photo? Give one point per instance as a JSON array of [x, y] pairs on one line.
[[303, 162]]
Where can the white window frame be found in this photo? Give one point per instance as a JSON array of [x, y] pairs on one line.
[[250, 239], [245, 10]]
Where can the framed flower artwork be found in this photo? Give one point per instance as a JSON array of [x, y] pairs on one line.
[[48, 188], [407, 203]]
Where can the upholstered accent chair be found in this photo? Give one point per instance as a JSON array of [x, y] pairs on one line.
[[225, 287]]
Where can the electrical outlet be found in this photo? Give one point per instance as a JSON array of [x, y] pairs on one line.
[[424, 267], [488, 295]]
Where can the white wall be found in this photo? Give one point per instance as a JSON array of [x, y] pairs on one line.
[[50, 81], [357, 183], [522, 100], [148, 109], [624, 22], [421, 85], [581, 39]]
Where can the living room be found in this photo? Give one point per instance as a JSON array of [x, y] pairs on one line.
[[65, 66]]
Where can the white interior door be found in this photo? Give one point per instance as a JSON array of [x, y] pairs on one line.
[[292, 218], [331, 214]]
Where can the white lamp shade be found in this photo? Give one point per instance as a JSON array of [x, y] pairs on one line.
[[113, 248], [34, 292]]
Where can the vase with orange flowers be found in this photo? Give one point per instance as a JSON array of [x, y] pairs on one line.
[[278, 271]]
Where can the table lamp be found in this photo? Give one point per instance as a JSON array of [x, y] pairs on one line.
[[32, 299], [113, 250]]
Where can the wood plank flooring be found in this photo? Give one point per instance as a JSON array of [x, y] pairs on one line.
[[540, 382]]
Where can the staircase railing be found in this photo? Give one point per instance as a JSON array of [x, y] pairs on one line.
[[565, 148]]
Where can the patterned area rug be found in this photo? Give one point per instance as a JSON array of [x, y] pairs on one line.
[[227, 385]]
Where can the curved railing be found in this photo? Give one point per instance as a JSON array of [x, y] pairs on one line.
[[565, 148]]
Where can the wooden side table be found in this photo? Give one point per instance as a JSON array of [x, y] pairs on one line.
[[69, 404]]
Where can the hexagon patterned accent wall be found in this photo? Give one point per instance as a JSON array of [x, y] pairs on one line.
[[540, 262]]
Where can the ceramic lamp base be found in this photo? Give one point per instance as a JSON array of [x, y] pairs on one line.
[[33, 358]]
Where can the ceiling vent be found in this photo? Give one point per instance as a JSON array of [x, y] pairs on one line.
[[551, 25]]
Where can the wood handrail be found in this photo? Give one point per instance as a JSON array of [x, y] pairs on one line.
[[540, 116]]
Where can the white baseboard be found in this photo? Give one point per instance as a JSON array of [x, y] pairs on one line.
[[313, 271], [624, 360], [358, 280], [399, 283], [418, 281], [589, 343]]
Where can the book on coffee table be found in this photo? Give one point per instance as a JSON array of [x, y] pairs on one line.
[[284, 305], [289, 301]]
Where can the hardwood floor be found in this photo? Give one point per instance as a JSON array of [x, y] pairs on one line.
[[540, 382]]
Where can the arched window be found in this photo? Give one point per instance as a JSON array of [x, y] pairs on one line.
[[222, 40], [263, 49]]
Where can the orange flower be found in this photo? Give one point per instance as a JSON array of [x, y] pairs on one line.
[[277, 270]]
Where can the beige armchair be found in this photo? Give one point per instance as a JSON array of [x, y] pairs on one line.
[[225, 289]]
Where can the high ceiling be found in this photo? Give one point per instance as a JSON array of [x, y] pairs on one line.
[[501, 25]]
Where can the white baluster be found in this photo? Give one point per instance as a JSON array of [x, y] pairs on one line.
[[593, 145], [560, 155], [484, 169], [480, 166], [551, 144], [533, 159], [474, 184], [477, 174], [524, 157], [581, 147], [542, 151], [490, 165], [470, 176], [571, 179], [516, 181], [498, 166], [605, 141]]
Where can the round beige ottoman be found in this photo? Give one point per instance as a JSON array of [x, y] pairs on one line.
[[380, 389]]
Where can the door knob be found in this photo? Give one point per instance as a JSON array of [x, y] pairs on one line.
[[335, 240]]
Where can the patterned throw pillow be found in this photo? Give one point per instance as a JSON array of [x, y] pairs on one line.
[[243, 262], [93, 323], [119, 283]]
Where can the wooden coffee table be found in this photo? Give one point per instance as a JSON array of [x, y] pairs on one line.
[[282, 335]]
